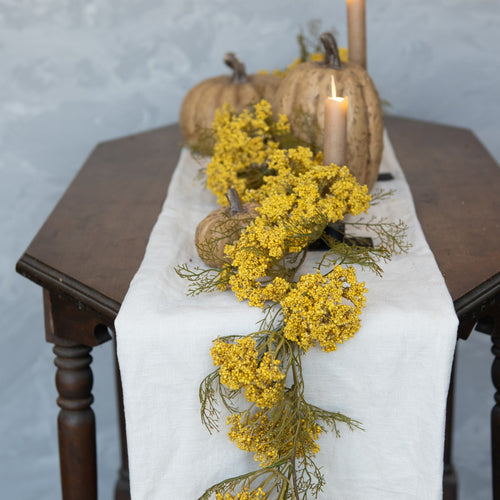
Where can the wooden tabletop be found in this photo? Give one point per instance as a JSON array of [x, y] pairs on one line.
[[93, 242]]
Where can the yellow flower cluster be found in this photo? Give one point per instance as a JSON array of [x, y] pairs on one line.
[[240, 367], [319, 57], [276, 290], [241, 139], [244, 494], [295, 206], [306, 188], [255, 435], [272, 440], [316, 57], [259, 247], [324, 309]]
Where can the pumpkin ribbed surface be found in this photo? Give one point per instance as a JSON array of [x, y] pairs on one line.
[[239, 90], [302, 95]]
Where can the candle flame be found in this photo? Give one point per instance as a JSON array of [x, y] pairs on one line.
[[334, 89]]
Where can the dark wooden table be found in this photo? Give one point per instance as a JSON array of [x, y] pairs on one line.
[[88, 250]]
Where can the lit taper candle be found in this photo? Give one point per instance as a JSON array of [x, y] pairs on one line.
[[334, 144], [356, 31]]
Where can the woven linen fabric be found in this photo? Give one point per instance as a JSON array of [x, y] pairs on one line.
[[393, 376]]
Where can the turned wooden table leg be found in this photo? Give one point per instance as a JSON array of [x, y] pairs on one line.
[[74, 330], [76, 422], [488, 324]]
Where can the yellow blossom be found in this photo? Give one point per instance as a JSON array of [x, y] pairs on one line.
[[320, 56], [295, 206], [240, 367], [323, 309], [244, 494], [269, 440], [314, 57], [241, 141], [317, 57]]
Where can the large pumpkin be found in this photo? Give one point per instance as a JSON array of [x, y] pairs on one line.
[[302, 94], [239, 90]]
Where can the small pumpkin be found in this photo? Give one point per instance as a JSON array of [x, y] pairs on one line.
[[223, 227], [239, 90], [301, 96]]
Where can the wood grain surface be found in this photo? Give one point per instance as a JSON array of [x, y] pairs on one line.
[[93, 242], [455, 184]]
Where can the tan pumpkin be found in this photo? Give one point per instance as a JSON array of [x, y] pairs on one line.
[[223, 227], [239, 90], [302, 94]]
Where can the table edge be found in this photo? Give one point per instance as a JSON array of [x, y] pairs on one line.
[[55, 281], [475, 301]]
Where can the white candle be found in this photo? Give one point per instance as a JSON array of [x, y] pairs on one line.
[[334, 144], [356, 31]]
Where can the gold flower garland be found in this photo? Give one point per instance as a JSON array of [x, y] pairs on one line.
[[298, 197]]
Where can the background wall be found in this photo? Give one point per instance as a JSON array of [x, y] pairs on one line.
[[77, 72]]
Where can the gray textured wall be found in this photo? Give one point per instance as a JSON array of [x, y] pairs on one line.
[[77, 72]]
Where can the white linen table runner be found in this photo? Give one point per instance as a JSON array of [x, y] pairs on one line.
[[393, 376]]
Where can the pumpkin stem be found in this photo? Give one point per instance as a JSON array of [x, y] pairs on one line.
[[239, 74], [332, 57], [234, 200]]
